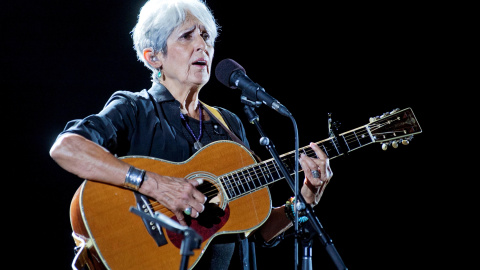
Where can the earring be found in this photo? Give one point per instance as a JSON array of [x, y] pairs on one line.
[[159, 74]]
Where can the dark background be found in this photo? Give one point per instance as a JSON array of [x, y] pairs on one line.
[[382, 209]]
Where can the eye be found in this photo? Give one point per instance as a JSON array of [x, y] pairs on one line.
[[186, 35], [206, 36]]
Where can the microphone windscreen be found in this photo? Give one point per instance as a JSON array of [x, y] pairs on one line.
[[224, 71]]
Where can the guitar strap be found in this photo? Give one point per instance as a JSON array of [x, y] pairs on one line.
[[217, 116]]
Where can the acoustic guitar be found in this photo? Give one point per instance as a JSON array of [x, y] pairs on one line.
[[111, 237]]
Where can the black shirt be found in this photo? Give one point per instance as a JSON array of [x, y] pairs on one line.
[[148, 123]]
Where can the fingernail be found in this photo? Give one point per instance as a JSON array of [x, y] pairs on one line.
[[199, 180]]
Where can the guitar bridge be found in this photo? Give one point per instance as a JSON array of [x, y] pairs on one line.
[[154, 229]]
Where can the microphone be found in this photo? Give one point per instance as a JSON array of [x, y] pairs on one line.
[[232, 75]]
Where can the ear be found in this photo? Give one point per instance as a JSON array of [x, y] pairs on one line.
[[151, 58]]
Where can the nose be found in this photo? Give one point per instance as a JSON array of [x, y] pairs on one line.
[[200, 44]]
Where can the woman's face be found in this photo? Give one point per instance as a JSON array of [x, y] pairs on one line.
[[189, 55]]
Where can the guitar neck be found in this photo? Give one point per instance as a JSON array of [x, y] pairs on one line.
[[249, 179]]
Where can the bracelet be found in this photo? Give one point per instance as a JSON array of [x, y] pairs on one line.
[[290, 211], [134, 178]]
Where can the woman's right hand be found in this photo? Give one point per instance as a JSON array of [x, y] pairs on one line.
[[176, 194]]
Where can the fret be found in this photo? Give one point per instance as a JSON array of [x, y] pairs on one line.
[[334, 142], [229, 188], [325, 150], [243, 180], [272, 178], [289, 162], [238, 184], [247, 180], [366, 136], [232, 184], [250, 181], [346, 143], [351, 143], [357, 138], [279, 175], [269, 178], [263, 170], [370, 133], [256, 179]]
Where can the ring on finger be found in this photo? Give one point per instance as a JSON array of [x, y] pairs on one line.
[[188, 211], [315, 174]]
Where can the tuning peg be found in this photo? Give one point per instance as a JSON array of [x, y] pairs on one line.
[[385, 146], [395, 144], [394, 111], [373, 119], [406, 141], [384, 115]]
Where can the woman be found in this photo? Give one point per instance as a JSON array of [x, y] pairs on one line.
[[175, 39]]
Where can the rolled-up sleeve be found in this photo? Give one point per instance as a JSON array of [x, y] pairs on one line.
[[114, 123]]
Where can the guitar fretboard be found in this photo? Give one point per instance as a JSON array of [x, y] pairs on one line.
[[249, 179]]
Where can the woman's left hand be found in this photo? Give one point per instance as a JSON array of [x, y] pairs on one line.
[[317, 175]]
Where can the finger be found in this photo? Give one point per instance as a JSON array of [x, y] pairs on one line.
[[197, 198], [180, 217], [196, 207], [195, 182], [194, 213], [323, 162], [307, 165], [198, 201], [328, 171], [324, 168], [320, 154]]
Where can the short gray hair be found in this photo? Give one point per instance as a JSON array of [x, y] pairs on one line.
[[158, 19]]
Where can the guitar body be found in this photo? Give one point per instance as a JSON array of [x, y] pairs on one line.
[[118, 239]]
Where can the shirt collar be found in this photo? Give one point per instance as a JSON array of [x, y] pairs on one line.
[[160, 93]]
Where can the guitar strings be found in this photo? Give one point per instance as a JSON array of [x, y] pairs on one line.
[[239, 179], [246, 174], [349, 137], [242, 179], [157, 206]]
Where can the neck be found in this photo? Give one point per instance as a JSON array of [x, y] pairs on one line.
[[188, 98]]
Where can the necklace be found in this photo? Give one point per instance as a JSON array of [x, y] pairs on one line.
[[197, 144]]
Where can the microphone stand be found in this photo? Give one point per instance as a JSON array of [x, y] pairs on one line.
[[191, 239], [301, 204]]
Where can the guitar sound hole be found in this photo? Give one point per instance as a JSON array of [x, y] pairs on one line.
[[210, 190], [214, 207]]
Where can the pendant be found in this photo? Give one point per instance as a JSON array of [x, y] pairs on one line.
[[197, 145]]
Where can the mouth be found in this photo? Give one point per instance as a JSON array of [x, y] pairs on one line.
[[200, 62]]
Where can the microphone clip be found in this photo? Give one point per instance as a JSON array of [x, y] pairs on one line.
[[253, 103]]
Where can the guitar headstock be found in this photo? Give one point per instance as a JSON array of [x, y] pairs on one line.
[[394, 128]]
